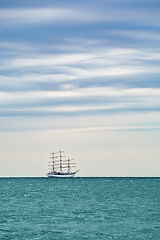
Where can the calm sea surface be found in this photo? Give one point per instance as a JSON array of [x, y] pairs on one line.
[[80, 208]]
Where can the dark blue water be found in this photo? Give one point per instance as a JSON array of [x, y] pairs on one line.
[[80, 208]]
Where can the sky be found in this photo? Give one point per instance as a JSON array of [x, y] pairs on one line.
[[81, 76]]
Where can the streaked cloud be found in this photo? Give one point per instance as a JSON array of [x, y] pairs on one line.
[[63, 102], [118, 61], [81, 122], [140, 34], [21, 16]]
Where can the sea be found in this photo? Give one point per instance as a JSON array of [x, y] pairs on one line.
[[80, 208]]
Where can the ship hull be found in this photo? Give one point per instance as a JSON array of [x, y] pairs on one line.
[[55, 175]]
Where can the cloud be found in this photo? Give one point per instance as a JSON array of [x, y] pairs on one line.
[[21, 16], [136, 34], [108, 62], [125, 67], [44, 77], [71, 101], [83, 123]]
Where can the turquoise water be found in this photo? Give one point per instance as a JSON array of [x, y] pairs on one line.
[[80, 208]]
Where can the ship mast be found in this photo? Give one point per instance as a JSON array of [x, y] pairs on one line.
[[53, 160], [69, 165], [59, 164], [60, 160]]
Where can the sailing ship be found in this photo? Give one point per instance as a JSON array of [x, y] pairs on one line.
[[59, 166]]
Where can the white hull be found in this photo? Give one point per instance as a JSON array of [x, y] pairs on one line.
[[61, 175]]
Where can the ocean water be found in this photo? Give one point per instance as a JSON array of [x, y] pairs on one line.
[[80, 208]]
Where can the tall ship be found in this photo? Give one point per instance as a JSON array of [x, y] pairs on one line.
[[60, 166]]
